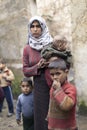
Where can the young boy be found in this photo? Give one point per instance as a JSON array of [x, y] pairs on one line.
[[25, 105], [62, 107], [6, 77]]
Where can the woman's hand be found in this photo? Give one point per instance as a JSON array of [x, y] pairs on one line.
[[42, 63]]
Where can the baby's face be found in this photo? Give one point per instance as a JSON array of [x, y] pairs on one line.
[[60, 45]]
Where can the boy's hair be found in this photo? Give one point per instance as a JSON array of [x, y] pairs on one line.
[[58, 63], [28, 80], [2, 61]]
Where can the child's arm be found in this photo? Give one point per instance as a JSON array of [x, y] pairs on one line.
[[65, 99], [8, 75], [18, 111]]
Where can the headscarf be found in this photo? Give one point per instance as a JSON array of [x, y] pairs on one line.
[[44, 39]]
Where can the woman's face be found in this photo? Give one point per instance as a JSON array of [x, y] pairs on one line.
[[36, 29]]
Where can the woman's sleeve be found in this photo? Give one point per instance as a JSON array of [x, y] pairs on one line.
[[28, 70]]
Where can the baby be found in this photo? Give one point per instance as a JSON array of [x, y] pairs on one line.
[[58, 49]]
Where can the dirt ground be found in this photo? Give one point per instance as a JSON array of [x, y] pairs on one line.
[[10, 123]]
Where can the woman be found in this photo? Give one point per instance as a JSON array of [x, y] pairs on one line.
[[34, 65]]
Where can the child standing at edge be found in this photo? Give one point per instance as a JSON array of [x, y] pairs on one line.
[[62, 107], [25, 105], [6, 78]]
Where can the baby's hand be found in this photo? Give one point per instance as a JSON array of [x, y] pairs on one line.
[[4, 75], [56, 84]]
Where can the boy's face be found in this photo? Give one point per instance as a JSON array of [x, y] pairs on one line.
[[25, 87], [59, 75]]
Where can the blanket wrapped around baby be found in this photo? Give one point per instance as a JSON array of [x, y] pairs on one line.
[[49, 52]]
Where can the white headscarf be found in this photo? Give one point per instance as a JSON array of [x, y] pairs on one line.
[[44, 39]]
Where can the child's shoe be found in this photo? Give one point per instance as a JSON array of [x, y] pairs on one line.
[[9, 114]]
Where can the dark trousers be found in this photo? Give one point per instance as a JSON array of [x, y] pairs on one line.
[[1, 104], [1, 98], [28, 123], [9, 98]]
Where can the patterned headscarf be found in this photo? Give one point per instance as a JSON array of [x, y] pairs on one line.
[[44, 39]]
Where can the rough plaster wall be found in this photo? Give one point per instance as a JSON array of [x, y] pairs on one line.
[[66, 17], [14, 16], [79, 35], [13, 28], [57, 15]]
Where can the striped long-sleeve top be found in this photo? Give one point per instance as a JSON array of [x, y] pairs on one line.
[[62, 108]]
